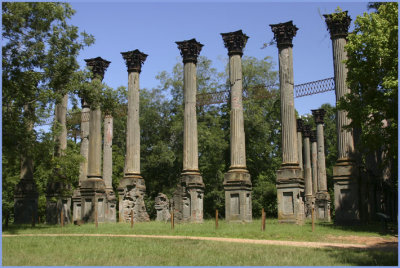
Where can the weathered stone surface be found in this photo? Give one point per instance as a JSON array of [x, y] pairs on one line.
[[58, 198], [98, 66], [162, 207], [131, 191], [308, 191], [93, 199], [25, 202]]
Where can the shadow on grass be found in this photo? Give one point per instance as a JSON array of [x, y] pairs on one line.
[[17, 228], [374, 227], [366, 257]]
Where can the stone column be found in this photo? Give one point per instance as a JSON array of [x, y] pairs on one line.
[[308, 185], [323, 199], [132, 188], [191, 183], [290, 183], [345, 173], [57, 193], [237, 182], [93, 188], [299, 125], [110, 213], [26, 193], [314, 162], [85, 122]]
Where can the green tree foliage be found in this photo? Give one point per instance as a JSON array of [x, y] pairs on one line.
[[39, 51], [373, 80]]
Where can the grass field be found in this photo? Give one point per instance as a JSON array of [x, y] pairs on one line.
[[125, 251]]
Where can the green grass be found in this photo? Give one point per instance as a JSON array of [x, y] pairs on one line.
[[273, 230], [111, 251]]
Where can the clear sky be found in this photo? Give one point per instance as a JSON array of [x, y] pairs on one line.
[[153, 27]]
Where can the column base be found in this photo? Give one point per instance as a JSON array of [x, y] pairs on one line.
[[238, 199], [188, 198], [290, 189], [111, 206], [57, 199], [131, 191], [323, 206], [162, 208], [347, 198], [94, 199], [25, 202]]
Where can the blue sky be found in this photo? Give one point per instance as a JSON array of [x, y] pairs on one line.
[[153, 28]]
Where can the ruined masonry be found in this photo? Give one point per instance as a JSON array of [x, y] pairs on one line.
[[345, 173], [93, 196], [237, 182], [132, 188], [162, 207], [289, 181], [322, 197], [189, 194]]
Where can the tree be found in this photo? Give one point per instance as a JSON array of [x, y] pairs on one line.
[[39, 52]]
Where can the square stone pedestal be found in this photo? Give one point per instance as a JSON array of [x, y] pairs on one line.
[[290, 190], [323, 206], [57, 199], [309, 205], [188, 199], [25, 202], [76, 205], [131, 192], [111, 206], [238, 200], [347, 198], [94, 200]]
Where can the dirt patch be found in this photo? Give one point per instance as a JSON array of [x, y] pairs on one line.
[[368, 241]]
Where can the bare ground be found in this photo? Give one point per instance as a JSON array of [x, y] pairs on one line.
[[354, 242]]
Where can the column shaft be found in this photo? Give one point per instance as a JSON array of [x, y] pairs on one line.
[[61, 117], [300, 149], [190, 146], [238, 151], [289, 137], [85, 124], [307, 168], [132, 162], [107, 151], [322, 185], [314, 164], [345, 137], [94, 163]]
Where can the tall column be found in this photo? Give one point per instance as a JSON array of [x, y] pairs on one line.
[[188, 198], [345, 173], [323, 199], [299, 128], [93, 188], [308, 185], [57, 198], [132, 188], [237, 182], [289, 182], [110, 210], [26, 193], [314, 162], [84, 150]]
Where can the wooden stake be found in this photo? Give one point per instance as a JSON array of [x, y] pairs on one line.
[[62, 217], [312, 218], [132, 218], [216, 219], [263, 220]]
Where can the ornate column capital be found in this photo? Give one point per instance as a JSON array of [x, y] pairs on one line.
[[98, 66], [134, 60], [284, 33], [300, 125], [313, 136], [235, 42], [190, 50], [319, 115], [306, 131], [338, 24]]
